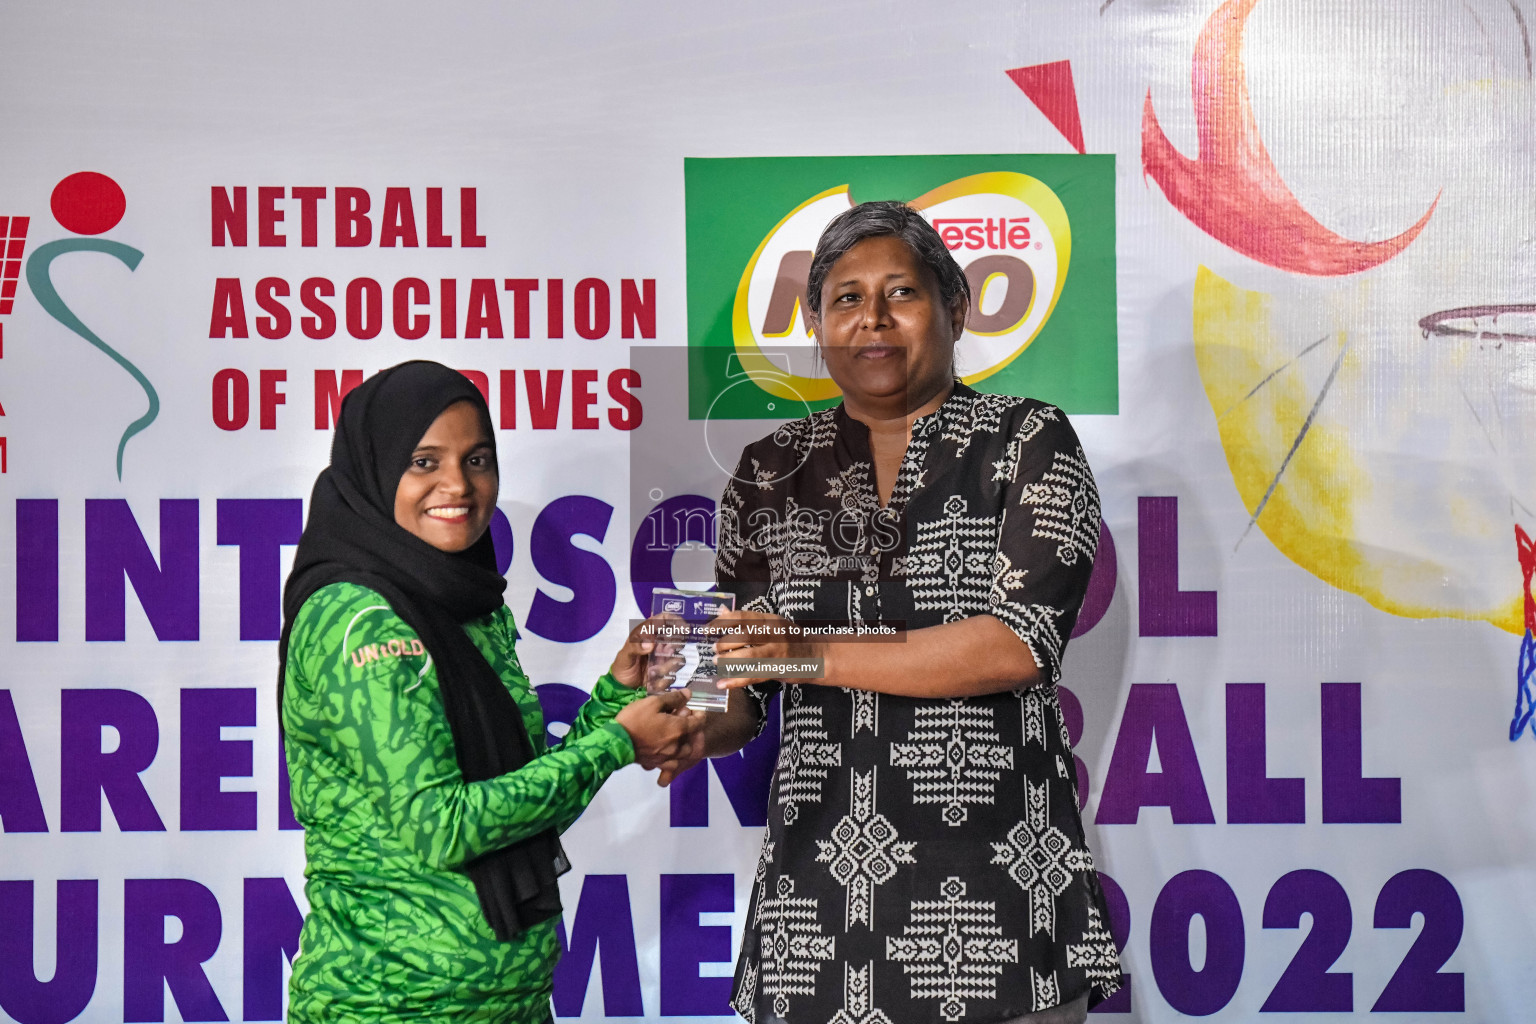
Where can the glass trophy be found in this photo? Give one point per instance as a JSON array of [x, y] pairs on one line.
[[684, 655]]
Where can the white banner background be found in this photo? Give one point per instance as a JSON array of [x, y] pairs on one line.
[[572, 123]]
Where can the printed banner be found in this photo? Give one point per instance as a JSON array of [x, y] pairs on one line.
[[1271, 258]]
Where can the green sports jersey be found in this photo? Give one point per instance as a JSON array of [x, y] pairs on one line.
[[394, 930]]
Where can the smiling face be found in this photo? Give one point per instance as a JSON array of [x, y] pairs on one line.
[[884, 331], [448, 492]]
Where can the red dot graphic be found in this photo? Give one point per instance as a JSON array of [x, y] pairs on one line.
[[88, 203]]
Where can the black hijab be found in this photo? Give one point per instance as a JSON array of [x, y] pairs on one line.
[[351, 536]]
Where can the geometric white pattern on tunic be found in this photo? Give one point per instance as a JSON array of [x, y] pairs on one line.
[[953, 949], [1032, 708], [764, 858], [793, 948], [1007, 467], [761, 603], [1044, 989], [909, 477], [764, 478], [1040, 858], [946, 566], [819, 430], [1005, 578], [1035, 421], [729, 541], [866, 708], [859, 998], [1066, 506], [984, 415], [1096, 953], [954, 758], [1034, 624], [804, 756], [798, 559], [863, 851], [794, 596], [853, 490], [745, 1002]]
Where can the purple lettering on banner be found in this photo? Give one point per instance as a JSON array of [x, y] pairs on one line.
[[21, 808], [1101, 583], [1348, 796], [206, 760], [150, 964], [37, 569], [1120, 931], [1165, 610], [260, 527], [86, 772], [1187, 894], [501, 540], [1154, 710], [593, 589], [271, 932], [747, 777], [1253, 798], [681, 519], [65, 995], [685, 944], [603, 930], [285, 819], [1308, 986], [1418, 984], [115, 548], [1072, 718], [561, 703]]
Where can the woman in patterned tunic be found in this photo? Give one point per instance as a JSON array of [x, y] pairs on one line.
[[415, 746], [924, 858]]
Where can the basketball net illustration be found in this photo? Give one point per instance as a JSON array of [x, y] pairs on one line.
[[1496, 351]]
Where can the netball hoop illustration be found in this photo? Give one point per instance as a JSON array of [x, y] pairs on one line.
[[1494, 348]]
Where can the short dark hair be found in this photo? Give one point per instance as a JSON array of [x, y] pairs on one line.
[[875, 220]]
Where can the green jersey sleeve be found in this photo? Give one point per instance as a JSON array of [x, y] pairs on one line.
[[362, 695]]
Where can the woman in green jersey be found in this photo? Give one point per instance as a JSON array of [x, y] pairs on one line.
[[431, 803]]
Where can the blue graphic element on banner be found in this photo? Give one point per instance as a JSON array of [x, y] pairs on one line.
[[1525, 698], [39, 267]]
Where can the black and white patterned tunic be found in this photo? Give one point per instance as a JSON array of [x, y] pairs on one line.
[[924, 858]]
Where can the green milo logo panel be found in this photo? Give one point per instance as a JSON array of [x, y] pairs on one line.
[[1035, 236]]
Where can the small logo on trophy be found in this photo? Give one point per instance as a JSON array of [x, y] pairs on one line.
[[684, 655]]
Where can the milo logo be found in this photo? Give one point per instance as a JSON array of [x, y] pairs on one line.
[[1011, 231]]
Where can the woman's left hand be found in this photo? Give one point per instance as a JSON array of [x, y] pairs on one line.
[[757, 636], [632, 662]]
